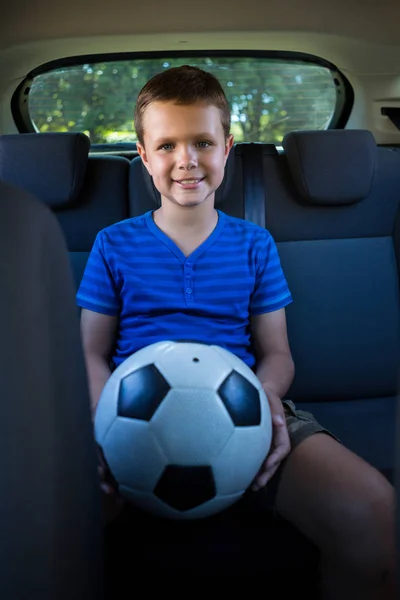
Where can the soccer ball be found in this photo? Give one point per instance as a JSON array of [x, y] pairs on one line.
[[184, 428]]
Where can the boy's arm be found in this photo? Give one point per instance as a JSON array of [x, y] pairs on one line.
[[275, 370], [98, 333], [275, 367]]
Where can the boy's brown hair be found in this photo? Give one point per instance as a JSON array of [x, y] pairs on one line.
[[184, 85]]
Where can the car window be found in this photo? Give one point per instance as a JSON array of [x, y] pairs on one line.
[[268, 96]]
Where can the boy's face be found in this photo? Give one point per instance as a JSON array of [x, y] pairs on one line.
[[184, 151]]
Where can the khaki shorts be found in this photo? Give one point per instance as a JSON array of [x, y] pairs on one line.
[[301, 424]]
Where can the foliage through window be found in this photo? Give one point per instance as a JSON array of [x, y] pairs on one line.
[[268, 96]]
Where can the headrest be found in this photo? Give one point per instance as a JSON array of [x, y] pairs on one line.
[[51, 166], [332, 167], [154, 197]]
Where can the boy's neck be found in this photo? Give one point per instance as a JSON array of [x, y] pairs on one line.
[[196, 220]]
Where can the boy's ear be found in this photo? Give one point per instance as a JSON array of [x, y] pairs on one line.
[[142, 153], [228, 145]]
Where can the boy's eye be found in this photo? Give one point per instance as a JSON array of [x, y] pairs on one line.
[[201, 144]]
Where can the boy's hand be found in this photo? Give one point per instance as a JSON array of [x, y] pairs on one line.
[[280, 446], [112, 502]]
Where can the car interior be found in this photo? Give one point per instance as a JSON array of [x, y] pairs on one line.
[[326, 187]]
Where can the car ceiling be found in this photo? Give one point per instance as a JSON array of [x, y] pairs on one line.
[[27, 21]]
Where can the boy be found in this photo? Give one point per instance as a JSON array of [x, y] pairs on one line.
[[187, 270]]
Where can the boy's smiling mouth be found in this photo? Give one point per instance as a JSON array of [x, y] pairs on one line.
[[189, 183]]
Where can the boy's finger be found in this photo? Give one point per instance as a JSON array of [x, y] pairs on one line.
[[107, 489], [278, 420], [264, 477], [278, 454]]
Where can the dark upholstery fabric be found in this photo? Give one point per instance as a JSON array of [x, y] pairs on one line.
[[103, 201], [341, 266], [331, 167], [49, 165], [50, 520]]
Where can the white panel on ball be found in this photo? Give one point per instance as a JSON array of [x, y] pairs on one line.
[[106, 410], [192, 426], [133, 454], [144, 356], [185, 364], [240, 459]]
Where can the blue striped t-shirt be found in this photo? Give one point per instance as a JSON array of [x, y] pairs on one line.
[[137, 272]]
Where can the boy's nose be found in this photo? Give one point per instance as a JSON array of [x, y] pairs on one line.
[[187, 166], [187, 160]]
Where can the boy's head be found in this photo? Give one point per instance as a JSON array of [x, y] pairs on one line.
[[184, 85], [182, 121]]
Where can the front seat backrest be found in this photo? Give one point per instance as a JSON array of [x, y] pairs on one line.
[[50, 512]]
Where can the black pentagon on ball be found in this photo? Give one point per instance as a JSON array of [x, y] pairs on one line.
[[241, 400], [185, 487], [141, 393]]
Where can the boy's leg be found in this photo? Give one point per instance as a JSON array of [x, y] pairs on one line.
[[343, 505]]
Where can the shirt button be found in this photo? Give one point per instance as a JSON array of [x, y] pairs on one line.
[[188, 290]]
